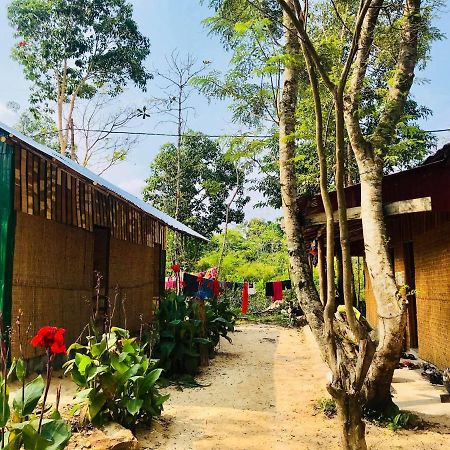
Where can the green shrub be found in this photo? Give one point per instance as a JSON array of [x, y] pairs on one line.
[[180, 331], [327, 406], [117, 380]]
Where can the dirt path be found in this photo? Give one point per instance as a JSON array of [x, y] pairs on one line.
[[262, 395]]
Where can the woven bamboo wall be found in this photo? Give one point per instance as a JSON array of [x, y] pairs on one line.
[[134, 270], [52, 277], [45, 188]]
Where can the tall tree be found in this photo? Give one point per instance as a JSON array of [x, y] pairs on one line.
[[208, 180], [328, 42], [69, 49], [174, 107]]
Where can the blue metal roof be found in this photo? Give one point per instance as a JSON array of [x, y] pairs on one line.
[[139, 203]]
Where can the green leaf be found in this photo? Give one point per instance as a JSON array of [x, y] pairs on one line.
[[149, 380], [21, 369], [98, 349], [121, 332], [32, 394], [75, 346], [4, 407], [83, 362], [117, 364], [134, 405], [32, 440], [58, 432], [97, 400]]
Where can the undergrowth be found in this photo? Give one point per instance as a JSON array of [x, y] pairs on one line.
[[393, 418]]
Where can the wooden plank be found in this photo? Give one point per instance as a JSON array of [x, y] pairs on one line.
[[413, 205], [74, 201], [23, 180], [63, 197], [69, 199], [42, 183], [30, 183], [17, 198], [35, 185], [58, 195], [48, 189], [54, 178], [83, 204], [78, 203], [90, 212]]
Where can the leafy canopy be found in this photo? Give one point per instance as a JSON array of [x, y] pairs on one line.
[[208, 179], [89, 43]]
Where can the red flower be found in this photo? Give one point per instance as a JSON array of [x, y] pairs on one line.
[[21, 44], [175, 268], [50, 338], [199, 278]]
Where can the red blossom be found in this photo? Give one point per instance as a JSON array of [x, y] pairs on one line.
[[21, 44], [50, 338], [175, 268], [199, 278]]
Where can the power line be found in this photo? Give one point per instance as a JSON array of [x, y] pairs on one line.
[[149, 133]]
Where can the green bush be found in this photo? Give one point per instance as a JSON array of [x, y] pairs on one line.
[[180, 331], [117, 380]]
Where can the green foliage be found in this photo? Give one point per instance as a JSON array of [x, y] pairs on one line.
[[326, 405], [180, 331], [393, 418], [83, 44], [255, 251], [207, 179], [21, 422], [220, 320], [117, 381]]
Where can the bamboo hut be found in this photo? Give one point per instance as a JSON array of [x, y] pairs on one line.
[[417, 212], [60, 225]]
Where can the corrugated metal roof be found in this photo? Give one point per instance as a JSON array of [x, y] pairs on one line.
[[146, 207]]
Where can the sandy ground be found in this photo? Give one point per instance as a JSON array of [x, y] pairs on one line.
[[261, 396]]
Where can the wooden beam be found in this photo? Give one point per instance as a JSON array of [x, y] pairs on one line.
[[413, 205]]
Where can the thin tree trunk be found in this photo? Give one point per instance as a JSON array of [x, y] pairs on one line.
[[298, 258], [391, 309]]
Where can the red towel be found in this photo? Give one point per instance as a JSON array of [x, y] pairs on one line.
[[277, 291], [245, 298], [216, 288]]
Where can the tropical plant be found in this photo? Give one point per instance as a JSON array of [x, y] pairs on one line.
[[117, 381], [22, 426], [220, 320], [179, 333]]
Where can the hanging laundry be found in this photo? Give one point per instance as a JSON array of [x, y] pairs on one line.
[[245, 298], [286, 284], [277, 291], [314, 252], [216, 288], [251, 289], [190, 285], [212, 273], [171, 283]]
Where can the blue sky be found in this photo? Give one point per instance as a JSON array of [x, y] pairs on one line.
[[176, 24]]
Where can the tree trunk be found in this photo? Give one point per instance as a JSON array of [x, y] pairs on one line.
[[298, 257], [350, 421], [391, 308]]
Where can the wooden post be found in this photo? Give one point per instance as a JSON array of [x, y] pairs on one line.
[[204, 350], [321, 269]]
